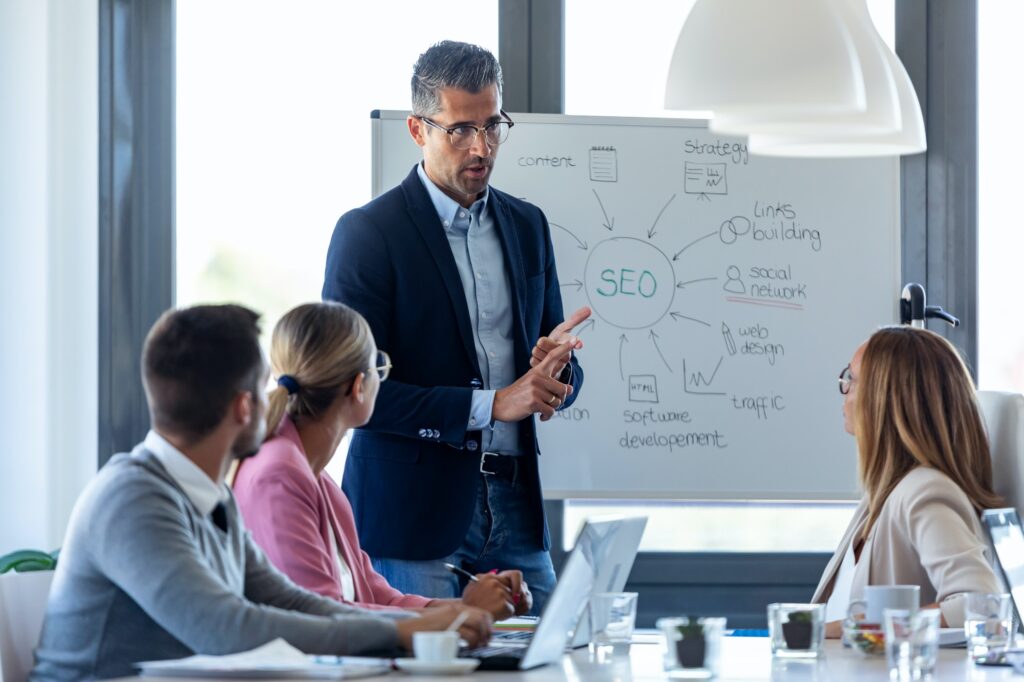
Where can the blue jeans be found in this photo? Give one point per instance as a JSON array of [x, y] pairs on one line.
[[500, 537]]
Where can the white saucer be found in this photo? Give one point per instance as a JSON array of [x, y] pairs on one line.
[[456, 666]]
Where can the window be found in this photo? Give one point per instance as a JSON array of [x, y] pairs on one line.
[[273, 134], [1000, 237], [616, 63]]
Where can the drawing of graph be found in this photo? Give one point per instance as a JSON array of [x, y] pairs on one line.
[[705, 178]]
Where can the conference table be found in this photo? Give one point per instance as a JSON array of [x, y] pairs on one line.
[[743, 658]]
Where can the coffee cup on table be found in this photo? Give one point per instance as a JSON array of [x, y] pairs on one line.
[[877, 598], [436, 647]]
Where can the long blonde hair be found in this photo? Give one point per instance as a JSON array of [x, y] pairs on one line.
[[915, 406], [322, 347]]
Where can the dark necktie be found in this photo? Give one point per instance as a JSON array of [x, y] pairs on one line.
[[220, 517]]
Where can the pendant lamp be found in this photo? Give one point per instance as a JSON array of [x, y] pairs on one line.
[[882, 112], [909, 139], [750, 58]]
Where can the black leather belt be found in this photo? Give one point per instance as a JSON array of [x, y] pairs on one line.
[[505, 467]]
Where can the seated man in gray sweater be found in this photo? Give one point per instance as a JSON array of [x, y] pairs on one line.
[[157, 564]]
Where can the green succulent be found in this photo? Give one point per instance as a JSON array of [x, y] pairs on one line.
[[25, 560]]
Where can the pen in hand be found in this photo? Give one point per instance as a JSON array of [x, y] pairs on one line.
[[461, 571]]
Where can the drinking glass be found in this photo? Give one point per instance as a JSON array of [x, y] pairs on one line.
[[988, 622], [911, 642]]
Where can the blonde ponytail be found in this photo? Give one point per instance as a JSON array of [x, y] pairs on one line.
[[277, 404], [321, 347]]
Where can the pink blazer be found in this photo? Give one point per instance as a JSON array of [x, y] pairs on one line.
[[291, 514]]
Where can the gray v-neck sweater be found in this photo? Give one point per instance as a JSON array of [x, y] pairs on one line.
[[142, 576]]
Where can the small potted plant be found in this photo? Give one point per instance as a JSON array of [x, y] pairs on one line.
[[798, 629], [691, 645], [27, 560]]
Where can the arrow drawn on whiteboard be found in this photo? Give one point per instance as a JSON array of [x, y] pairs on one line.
[[622, 340], [654, 339], [579, 285], [682, 285], [650, 232], [608, 224], [709, 234], [580, 244], [589, 324], [679, 316]]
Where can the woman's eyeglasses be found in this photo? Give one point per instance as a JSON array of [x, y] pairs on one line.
[[383, 366], [845, 380]]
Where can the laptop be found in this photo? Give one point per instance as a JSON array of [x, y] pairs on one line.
[[611, 543], [1004, 530], [555, 627]]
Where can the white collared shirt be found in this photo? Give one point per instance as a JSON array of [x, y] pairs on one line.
[[200, 489], [839, 602]]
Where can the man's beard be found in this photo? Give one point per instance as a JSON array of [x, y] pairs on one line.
[[248, 443]]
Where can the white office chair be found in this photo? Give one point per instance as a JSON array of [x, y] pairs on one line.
[[1004, 418], [22, 607]]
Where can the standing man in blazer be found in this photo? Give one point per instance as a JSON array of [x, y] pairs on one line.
[[458, 283]]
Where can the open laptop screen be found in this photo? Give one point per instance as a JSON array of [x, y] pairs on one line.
[[1003, 526]]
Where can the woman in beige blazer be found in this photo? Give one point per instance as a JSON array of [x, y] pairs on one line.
[[925, 467]]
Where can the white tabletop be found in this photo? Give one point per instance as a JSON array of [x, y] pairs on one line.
[[743, 658]]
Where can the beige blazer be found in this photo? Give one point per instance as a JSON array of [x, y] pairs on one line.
[[927, 534]]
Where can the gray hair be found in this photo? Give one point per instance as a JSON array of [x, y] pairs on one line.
[[451, 64]]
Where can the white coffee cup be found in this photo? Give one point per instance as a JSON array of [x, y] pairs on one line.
[[877, 598], [436, 647]]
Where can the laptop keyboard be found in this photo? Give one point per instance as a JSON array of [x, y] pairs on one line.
[[512, 636], [492, 651]]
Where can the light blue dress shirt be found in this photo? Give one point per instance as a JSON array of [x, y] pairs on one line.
[[473, 237]]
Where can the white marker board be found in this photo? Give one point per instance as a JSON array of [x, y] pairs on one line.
[[728, 293]]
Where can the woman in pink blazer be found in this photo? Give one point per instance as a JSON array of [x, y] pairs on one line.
[[328, 372]]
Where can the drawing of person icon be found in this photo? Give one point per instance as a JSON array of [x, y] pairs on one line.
[[734, 285]]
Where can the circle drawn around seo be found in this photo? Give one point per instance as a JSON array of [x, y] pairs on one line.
[[630, 283]]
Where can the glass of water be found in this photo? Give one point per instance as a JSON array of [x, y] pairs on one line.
[[988, 622], [612, 620], [911, 642]]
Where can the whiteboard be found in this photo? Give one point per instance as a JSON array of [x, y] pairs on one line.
[[728, 290]]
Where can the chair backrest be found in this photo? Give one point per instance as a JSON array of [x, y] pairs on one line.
[[22, 607], [1004, 418]]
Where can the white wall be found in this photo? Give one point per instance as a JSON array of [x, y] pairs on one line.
[[48, 264]]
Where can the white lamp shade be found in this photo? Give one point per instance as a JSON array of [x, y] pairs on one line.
[[909, 139], [776, 57], [881, 115]]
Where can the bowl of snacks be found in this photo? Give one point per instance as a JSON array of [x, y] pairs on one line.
[[865, 638]]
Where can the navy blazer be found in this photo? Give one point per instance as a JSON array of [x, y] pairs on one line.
[[413, 471]]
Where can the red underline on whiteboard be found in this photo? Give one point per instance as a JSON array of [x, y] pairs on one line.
[[760, 301]]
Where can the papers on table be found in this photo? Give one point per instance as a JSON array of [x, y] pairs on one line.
[[276, 659], [952, 637]]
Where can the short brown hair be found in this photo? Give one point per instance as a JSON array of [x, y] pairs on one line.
[[195, 361]]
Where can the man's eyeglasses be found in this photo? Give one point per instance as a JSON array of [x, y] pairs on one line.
[[845, 380], [383, 365], [463, 136]]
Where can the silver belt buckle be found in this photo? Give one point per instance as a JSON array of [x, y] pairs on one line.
[[483, 458]]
